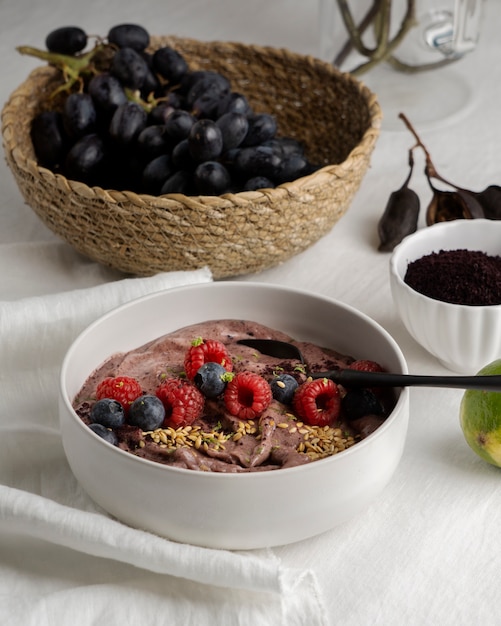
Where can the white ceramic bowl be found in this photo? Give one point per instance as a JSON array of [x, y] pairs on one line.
[[231, 511], [463, 338]]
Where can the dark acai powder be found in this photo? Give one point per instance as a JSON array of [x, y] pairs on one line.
[[457, 276]]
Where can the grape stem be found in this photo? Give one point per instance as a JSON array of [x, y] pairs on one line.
[[134, 95], [72, 67]]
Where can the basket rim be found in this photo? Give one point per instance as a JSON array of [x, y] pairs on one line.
[[364, 146]]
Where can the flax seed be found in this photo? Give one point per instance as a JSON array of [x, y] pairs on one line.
[[162, 436]]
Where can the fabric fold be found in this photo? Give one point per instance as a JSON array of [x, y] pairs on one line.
[[101, 536]]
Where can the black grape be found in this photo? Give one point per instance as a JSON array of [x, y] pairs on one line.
[[150, 85], [127, 122], [234, 127], [235, 102], [205, 141], [211, 178], [48, 138], [155, 173], [179, 124], [179, 182], [258, 182], [85, 158], [66, 40], [208, 86], [129, 67], [181, 156], [129, 36], [262, 127], [79, 115], [170, 64], [292, 167], [189, 79], [153, 141], [160, 113], [206, 105], [285, 146], [257, 161], [107, 92]]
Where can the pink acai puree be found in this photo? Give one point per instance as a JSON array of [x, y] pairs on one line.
[[218, 441]]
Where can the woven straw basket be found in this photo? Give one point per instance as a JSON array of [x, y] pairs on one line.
[[336, 117]]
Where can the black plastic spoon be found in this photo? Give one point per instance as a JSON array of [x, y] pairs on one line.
[[355, 378]]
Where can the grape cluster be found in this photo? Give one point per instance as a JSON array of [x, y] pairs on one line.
[[143, 121]]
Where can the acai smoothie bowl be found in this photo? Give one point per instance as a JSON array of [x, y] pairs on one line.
[[173, 424]]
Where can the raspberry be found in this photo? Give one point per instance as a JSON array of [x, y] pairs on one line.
[[183, 402], [206, 351], [317, 402], [247, 395], [124, 389], [365, 365]]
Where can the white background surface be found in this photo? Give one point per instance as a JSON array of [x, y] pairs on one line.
[[429, 550]]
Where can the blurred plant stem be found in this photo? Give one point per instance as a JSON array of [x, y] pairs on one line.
[[378, 17]]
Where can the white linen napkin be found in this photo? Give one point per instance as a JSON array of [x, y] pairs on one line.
[[63, 559]]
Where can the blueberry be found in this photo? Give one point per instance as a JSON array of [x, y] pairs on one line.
[[104, 433], [108, 413], [283, 388], [147, 413], [210, 379], [360, 402]]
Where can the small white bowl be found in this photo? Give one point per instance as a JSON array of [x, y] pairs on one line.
[[233, 511], [463, 338]]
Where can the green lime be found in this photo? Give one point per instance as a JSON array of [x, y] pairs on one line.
[[480, 418]]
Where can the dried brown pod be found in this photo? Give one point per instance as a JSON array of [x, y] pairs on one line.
[[400, 217], [445, 205], [490, 200], [452, 205]]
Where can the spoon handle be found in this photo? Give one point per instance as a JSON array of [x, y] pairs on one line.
[[355, 378]]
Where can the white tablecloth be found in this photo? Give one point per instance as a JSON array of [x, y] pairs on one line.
[[427, 552]]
